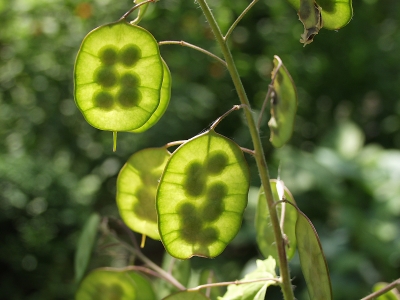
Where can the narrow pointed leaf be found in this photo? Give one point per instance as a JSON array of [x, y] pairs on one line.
[[165, 95], [283, 105], [85, 245], [186, 295], [265, 235], [335, 13], [312, 260], [136, 190], [256, 290], [106, 284], [202, 196], [118, 77]]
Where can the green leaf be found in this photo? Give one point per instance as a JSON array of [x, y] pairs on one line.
[[256, 290], [165, 95], [202, 196], [335, 13], [118, 77], [106, 284], [312, 260], [283, 105], [85, 245], [137, 187], [208, 276], [265, 235], [187, 295], [390, 295]]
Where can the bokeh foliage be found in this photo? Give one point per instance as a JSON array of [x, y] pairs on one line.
[[342, 165]]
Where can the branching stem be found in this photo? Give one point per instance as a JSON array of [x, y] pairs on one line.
[[384, 290], [175, 143], [233, 26], [259, 152], [134, 8], [182, 43], [136, 251], [249, 151], [217, 121], [165, 275]]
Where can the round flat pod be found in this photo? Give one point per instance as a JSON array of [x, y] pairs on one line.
[[118, 77], [108, 283], [202, 196], [136, 190], [165, 95]]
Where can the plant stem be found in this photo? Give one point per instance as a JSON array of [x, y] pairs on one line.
[[135, 250], [259, 152], [176, 143], [236, 282], [248, 151], [182, 43], [216, 122], [141, 13], [134, 8], [384, 290], [115, 141], [153, 266], [229, 32]]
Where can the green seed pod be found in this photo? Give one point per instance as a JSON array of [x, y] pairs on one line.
[[109, 283], [335, 13], [165, 95], [136, 190], [312, 259], [310, 15], [265, 235], [201, 196], [118, 77], [283, 105]]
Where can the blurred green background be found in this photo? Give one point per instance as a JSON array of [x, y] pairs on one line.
[[342, 164]]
